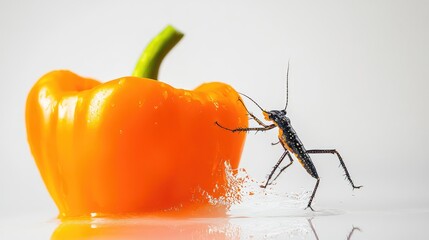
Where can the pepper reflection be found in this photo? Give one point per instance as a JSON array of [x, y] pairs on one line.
[[144, 229], [189, 228]]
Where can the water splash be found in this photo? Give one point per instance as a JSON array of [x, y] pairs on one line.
[[245, 198], [231, 190]]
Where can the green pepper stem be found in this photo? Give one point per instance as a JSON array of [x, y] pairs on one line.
[[151, 58]]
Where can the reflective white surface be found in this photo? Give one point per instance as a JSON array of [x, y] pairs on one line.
[[260, 214], [332, 224]]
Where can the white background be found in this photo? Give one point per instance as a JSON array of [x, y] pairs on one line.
[[358, 83]]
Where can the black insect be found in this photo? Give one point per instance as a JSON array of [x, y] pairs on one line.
[[290, 142]]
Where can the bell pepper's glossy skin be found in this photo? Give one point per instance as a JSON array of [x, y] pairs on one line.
[[131, 145]]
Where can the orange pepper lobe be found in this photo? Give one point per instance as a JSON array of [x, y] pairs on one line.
[[131, 145]]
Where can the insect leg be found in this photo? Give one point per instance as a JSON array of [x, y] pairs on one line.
[[253, 116], [351, 232], [264, 127], [290, 158], [313, 194], [257, 129], [333, 151], [284, 168], [275, 168]]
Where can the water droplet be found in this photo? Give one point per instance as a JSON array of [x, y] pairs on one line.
[[121, 131], [216, 105], [165, 94], [156, 107], [140, 103]]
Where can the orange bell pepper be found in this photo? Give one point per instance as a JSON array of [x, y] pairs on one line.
[[132, 145]]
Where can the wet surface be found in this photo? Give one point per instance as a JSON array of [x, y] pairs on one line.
[[255, 213], [332, 224]]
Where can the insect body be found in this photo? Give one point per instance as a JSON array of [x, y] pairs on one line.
[[290, 140], [291, 144]]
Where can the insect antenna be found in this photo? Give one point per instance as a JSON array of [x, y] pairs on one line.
[[253, 101], [287, 85]]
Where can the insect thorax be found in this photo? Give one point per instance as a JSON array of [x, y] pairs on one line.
[[279, 118]]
